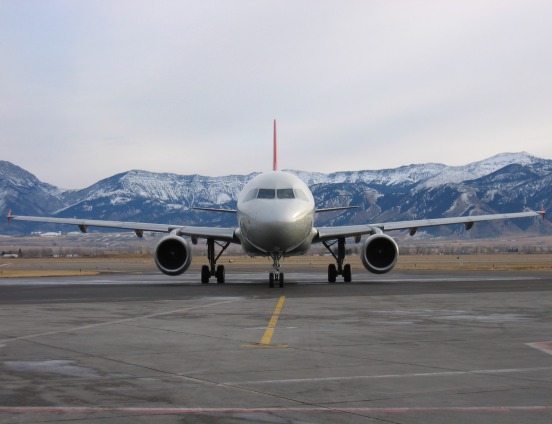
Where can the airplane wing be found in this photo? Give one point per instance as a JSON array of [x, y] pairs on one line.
[[215, 210], [340, 208], [329, 233], [217, 233]]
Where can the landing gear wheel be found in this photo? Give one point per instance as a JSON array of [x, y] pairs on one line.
[[205, 274], [208, 271], [338, 268], [332, 273], [347, 274], [281, 279], [220, 274], [271, 280]]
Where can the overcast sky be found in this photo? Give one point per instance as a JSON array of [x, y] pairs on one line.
[[90, 88]]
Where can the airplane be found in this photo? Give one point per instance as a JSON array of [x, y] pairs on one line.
[[275, 218]]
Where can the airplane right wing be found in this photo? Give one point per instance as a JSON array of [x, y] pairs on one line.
[[215, 233], [215, 210], [340, 208]]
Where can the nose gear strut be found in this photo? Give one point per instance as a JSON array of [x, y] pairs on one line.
[[276, 276]]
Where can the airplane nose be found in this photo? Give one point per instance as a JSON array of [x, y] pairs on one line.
[[279, 237], [276, 217], [280, 230]]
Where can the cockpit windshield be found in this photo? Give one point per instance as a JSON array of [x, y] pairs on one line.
[[266, 193], [285, 193], [280, 193], [270, 193]]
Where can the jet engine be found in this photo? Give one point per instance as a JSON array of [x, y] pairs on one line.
[[173, 255], [380, 253]]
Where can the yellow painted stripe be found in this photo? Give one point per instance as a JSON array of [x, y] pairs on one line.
[[267, 337], [269, 332]]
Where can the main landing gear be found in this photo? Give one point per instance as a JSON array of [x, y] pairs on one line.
[[338, 268], [276, 276], [212, 270]]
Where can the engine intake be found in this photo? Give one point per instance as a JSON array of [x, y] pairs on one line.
[[173, 255], [380, 254]]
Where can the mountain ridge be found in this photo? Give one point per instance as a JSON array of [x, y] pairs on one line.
[[507, 182]]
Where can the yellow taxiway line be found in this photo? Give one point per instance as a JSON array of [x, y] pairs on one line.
[[269, 332]]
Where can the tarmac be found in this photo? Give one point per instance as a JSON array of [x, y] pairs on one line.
[[405, 347]]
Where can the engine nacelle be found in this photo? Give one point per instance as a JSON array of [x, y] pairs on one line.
[[173, 255], [380, 254]]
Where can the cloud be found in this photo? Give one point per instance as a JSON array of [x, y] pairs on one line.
[[92, 88]]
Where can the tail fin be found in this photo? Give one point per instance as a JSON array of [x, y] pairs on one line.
[[275, 153]]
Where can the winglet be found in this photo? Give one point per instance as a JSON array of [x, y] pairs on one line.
[[9, 217], [542, 211], [275, 152]]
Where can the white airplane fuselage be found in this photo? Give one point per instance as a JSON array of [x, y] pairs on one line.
[[276, 215]]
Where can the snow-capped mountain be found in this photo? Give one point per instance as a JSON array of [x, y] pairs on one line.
[[403, 176], [458, 174], [421, 175], [507, 182], [22, 191]]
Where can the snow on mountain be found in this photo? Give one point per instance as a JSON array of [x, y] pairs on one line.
[[472, 171], [405, 175], [16, 177], [425, 175], [20, 190], [184, 190], [507, 182]]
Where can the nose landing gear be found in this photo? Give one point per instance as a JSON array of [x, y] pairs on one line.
[[276, 276]]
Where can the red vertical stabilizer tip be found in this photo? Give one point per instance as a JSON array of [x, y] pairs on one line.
[[275, 152]]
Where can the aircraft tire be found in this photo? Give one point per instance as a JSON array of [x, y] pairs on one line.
[[281, 279], [271, 280], [347, 274], [332, 273], [205, 274], [220, 274]]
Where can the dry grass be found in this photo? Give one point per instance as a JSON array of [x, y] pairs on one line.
[[505, 262], [15, 273], [59, 267]]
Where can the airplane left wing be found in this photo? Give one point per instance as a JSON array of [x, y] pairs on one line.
[[329, 233], [216, 233]]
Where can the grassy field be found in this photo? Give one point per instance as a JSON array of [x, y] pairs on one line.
[[55, 267]]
